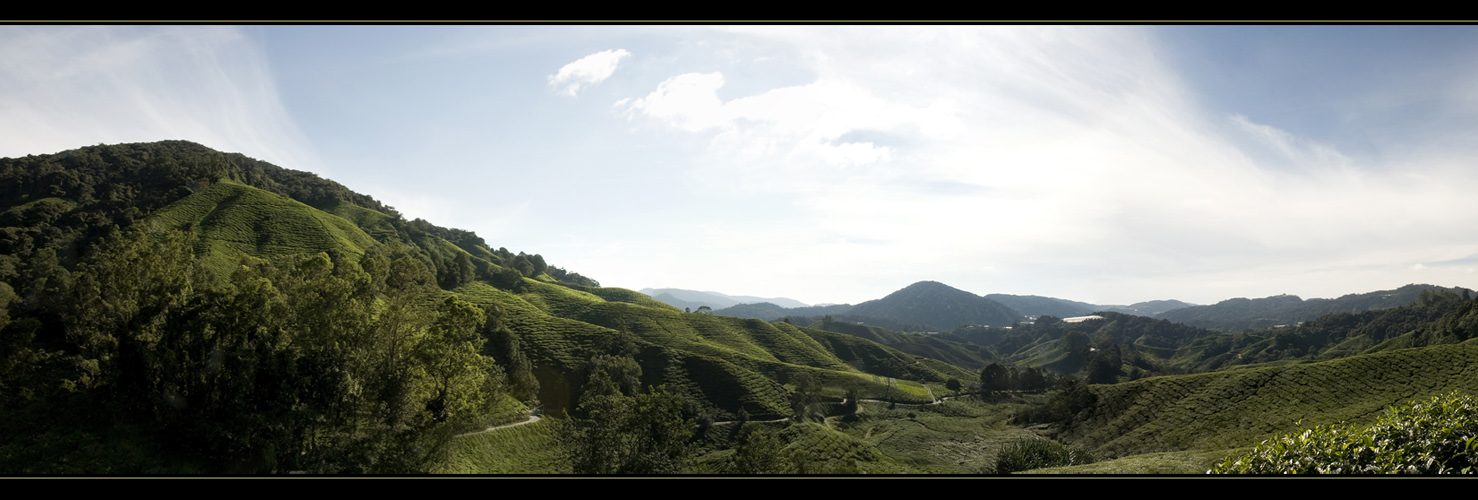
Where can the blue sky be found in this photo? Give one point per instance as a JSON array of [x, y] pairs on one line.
[[835, 163]]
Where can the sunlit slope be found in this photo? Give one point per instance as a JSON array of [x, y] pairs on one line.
[[559, 348], [373, 222], [730, 363], [1238, 408], [234, 219]]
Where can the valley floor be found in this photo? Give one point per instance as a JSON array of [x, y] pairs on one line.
[[955, 437]]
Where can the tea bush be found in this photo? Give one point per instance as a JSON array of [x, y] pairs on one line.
[[1439, 436]]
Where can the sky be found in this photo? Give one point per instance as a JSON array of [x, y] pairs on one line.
[[835, 164]]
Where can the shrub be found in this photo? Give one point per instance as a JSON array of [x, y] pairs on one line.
[[1036, 453], [1439, 436]]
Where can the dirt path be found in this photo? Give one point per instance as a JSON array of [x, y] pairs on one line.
[[532, 419]]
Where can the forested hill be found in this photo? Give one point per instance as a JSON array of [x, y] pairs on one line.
[[65, 201], [936, 306], [216, 313], [1033, 305], [1241, 313]]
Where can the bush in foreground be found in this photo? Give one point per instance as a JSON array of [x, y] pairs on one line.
[[1439, 436], [1036, 453]]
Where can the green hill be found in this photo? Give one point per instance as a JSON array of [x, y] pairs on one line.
[[232, 220], [1237, 408], [242, 317]]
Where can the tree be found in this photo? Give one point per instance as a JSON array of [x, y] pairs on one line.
[[704, 310], [953, 384], [618, 434], [508, 278], [621, 370], [508, 351], [854, 398], [759, 452], [806, 397], [994, 377], [1033, 380], [538, 265], [523, 265], [1104, 364]]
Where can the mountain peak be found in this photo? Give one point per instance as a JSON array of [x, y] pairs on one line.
[[935, 305]]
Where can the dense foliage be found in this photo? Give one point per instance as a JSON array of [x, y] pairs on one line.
[[618, 429], [1036, 453], [1437, 436], [997, 377], [316, 362]]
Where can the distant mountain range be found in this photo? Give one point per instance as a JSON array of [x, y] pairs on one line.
[[1032, 305], [1242, 313], [926, 305], [929, 305], [693, 299]]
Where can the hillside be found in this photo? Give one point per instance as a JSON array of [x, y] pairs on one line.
[[1241, 313], [1236, 408], [232, 220], [234, 316]]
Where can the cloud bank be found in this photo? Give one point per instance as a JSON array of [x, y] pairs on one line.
[[1064, 161]]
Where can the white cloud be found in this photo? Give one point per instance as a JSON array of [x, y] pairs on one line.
[[588, 70], [1090, 172], [792, 136], [688, 101]]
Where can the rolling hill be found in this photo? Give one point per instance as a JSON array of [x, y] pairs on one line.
[[124, 269], [1236, 408]]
